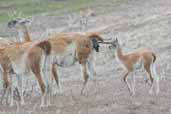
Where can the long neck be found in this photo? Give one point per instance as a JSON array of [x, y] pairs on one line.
[[24, 35], [27, 36], [119, 54]]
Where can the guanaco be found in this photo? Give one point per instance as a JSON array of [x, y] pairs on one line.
[[4, 60], [68, 48], [24, 57], [133, 61]]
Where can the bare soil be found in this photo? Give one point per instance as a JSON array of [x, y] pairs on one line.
[[137, 24]]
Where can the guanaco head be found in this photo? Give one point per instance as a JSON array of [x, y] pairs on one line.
[[114, 44], [21, 25], [95, 38], [18, 23], [12, 23], [95, 45]]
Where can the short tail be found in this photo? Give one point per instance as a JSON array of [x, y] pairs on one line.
[[45, 46], [154, 57]]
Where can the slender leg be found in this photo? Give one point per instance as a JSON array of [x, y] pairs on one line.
[[5, 85], [3, 95], [6, 81], [147, 68], [157, 86], [90, 69], [156, 77], [56, 77], [48, 95], [133, 84], [91, 72], [84, 71], [42, 104], [49, 92], [43, 90], [47, 77], [8, 88], [11, 92], [7, 93], [20, 84], [36, 71], [22, 90], [125, 76], [151, 88], [93, 65], [125, 80], [12, 98]]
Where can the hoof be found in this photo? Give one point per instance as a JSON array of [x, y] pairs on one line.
[[60, 92], [48, 104], [150, 92], [82, 93], [54, 93], [42, 106], [11, 104], [157, 92], [57, 92], [132, 93], [22, 103], [95, 73], [1, 103], [146, 81]]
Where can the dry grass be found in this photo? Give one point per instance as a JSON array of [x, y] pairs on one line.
[[137, 24]]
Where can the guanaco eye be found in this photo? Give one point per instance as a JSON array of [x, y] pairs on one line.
[[12, 23], [110, 47]]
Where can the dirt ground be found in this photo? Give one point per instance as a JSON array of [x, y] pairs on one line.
[[137, 24]]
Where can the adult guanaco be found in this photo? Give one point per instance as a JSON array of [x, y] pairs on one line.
[[4, 60], [69, 48], [25, 57]]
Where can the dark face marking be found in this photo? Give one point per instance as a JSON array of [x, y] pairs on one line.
[[114, 44], [95, 45], [12, 23], [23, 22], [18, 22]]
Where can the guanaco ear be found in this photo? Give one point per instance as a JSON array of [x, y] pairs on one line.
[[23, 21], [94, 35]]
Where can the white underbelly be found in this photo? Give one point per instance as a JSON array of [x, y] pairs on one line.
[[67, 58]]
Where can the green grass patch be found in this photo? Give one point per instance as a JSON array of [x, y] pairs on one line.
[[32, 7]]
